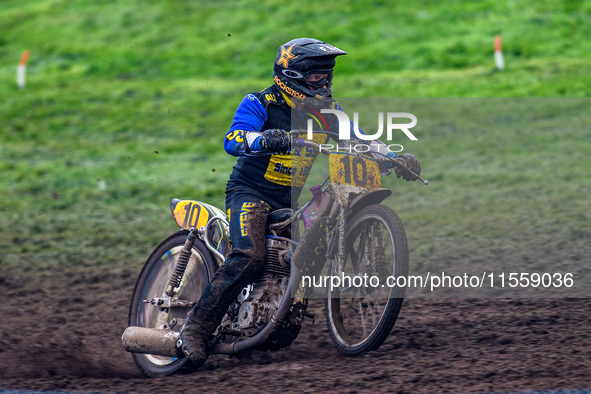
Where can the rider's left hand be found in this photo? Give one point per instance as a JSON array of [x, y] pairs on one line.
[[407, 160]]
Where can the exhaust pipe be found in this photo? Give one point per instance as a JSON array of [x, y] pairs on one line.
[[151, 341]]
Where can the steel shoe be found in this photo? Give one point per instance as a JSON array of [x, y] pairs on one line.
[[194, 342]]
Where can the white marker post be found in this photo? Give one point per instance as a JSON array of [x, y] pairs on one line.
[[21, 70], [499, 53]]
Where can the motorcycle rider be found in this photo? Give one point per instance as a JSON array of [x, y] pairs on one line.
[[261, 180]]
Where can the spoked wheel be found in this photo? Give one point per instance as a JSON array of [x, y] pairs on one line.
[[152, 283], [361, 313]]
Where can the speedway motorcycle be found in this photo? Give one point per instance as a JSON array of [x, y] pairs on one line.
[[344, 224]]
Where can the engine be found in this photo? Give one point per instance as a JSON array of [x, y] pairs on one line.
[[257, 303]]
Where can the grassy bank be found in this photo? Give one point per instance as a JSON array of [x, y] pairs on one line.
[[126, 104]]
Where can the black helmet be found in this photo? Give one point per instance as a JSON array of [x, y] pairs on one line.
[[303, 68]]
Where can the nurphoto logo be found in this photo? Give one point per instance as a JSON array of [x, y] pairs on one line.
[[345, 130]]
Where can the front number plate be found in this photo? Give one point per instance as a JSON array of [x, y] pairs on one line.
[[354, 170]]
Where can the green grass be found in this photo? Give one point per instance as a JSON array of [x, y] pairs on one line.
[[127, 102]]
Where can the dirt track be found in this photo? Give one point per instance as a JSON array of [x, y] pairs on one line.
[[61, 331]]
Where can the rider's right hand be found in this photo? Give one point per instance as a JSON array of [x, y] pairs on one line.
[[275, 141]]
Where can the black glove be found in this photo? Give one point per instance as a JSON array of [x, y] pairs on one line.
[[275, 141], [411, 162]]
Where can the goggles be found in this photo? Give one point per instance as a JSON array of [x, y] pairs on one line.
[[317, 78]]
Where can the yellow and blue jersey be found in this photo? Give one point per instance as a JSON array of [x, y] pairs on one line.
[[277, 175]]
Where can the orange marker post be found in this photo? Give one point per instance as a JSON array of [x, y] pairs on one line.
[[21, 70], [499, 61]]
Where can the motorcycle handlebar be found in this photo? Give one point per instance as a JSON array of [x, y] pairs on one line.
[[300, 143]]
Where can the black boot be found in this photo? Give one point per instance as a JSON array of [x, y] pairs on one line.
[[194, 341]]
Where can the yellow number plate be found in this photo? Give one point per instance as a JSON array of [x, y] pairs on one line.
[[189, 213], [354, 170]]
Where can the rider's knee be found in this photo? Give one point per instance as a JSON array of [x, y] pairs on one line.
[[252, 258]]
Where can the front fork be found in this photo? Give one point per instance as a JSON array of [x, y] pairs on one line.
[[340, 260]]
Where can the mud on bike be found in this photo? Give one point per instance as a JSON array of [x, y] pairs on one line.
[[344, 224]]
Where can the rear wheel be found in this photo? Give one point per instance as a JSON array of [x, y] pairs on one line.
[[361, 313], [152, 283]]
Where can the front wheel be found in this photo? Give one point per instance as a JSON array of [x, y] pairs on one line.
[[152, 283], [361, 312]]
